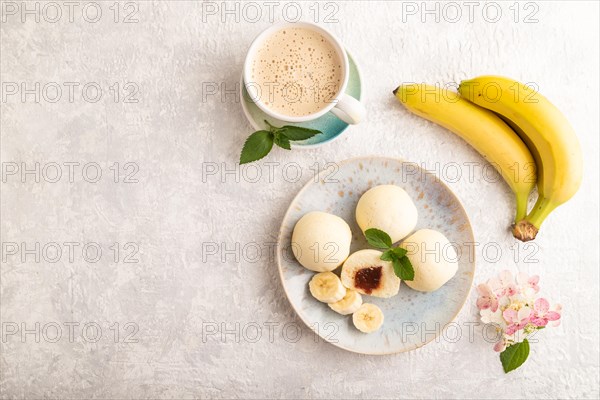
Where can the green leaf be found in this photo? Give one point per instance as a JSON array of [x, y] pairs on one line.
[[388, 255], [378, 239], [400, 252], [514, 356], [408, 272], [403, 269], [282, 141], [397, 267], [258, 145], [297, 132]]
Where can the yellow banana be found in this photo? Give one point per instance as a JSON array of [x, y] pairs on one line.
[[546, 132], [482, 129]]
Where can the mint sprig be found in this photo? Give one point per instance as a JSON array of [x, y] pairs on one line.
[[378, 239], [397, 255], [260, 143], [514, 356]]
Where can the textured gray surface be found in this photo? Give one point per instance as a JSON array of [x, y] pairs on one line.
[[179, 291]]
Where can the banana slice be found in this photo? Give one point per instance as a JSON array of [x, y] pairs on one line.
[[349, 304], [327, 287], [368, 318]]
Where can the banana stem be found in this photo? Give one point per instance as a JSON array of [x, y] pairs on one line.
[[526, 229], [522, 199], [542, 208]]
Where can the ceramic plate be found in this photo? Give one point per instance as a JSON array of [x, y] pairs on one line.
[[329, 124], [412, 319]]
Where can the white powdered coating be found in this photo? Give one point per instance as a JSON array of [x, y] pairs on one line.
[[388, 208], [433, 259], [298, 72], [321, 241]]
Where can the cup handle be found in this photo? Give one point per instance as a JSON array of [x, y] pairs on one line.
[[349, 110]]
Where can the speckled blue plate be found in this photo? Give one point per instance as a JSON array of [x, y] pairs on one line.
[[329, 124], [412, 319]]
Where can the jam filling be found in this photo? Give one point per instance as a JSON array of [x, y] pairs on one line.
[[368, 279]]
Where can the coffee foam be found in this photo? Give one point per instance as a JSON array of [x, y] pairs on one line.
[[298, 71]]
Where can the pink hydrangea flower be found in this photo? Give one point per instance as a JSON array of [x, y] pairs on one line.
[[493, 317], [528, 284], [512, 304], [500, 346], [541, 313], [487, 298], [516, 320], [504, 284], [557, 308]]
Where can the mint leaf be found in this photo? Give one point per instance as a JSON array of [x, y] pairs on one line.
[[260, 143], [378, 239], [397, 267], [403, 269], [388, 255], [408, 272], [514, 356], [297, 132], [282, 141], [256, 146], [400, 252]]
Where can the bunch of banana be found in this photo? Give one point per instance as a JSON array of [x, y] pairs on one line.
[[547, 134], [482, 129], [481, 114]]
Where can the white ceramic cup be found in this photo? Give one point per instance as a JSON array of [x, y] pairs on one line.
[[343, 106]]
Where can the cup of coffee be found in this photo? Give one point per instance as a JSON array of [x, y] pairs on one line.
[[297, 72]]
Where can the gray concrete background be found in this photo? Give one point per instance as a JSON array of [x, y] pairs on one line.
[[185, 300]]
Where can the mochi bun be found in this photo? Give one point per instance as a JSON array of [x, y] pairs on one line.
[[388, 208], [433, 258], [321, 241], [365, 272]]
